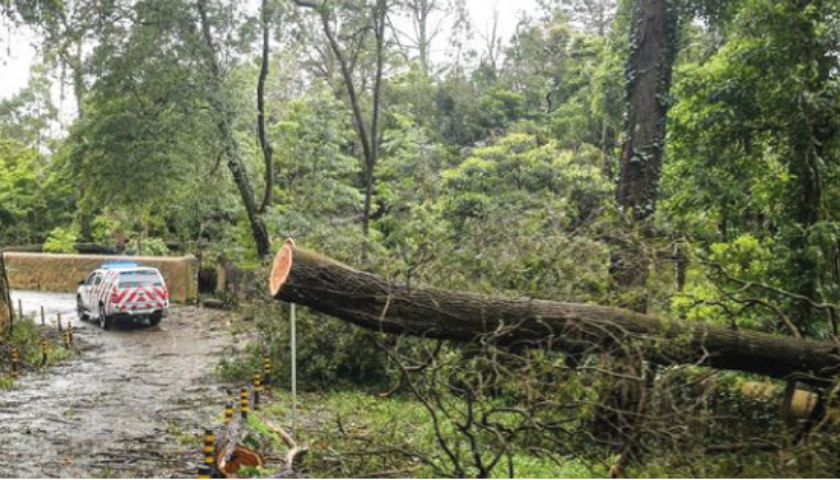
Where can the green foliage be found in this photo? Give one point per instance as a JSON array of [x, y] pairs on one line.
[[61, 240], [331, 353], [24, 199], [147, 246], [26, 336], [515, 207], [27, 115], [400, 428], [750, 122], [105, 228]]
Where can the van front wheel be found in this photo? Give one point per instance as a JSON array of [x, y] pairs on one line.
[[80, 309]]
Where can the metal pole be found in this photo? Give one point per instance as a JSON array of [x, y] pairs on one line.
[[294, 368], [20, 308], [42, 315]]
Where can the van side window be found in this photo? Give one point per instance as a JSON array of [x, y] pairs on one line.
[[98, 279]]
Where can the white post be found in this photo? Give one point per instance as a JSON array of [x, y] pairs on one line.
[[294, 367]]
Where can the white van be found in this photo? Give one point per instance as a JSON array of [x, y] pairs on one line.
[[123, 290]]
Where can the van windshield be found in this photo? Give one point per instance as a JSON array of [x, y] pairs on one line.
[[140, 278]]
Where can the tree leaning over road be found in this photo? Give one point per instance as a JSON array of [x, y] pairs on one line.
[[224, 122]]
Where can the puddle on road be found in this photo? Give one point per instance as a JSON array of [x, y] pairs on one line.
[[109, 412]]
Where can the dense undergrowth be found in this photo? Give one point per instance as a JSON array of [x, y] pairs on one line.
[[367, 416], [357, 434]]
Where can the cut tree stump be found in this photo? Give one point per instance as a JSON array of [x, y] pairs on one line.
[[230, 455], [314, 280]]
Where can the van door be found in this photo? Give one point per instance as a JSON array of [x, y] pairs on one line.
[[84, 291], [93, 293]]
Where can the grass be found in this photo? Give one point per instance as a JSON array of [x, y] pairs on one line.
[[182, 437], [359, 434], [355, 434]]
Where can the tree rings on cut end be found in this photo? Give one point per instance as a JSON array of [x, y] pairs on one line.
[[241, 457], [281, 267]]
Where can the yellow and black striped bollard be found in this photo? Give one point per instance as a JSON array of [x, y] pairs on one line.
[[209, 450], [203, 471], [15, 361], [44, 352], [243, 403], [266, 371], [255, 384], [228, 413]]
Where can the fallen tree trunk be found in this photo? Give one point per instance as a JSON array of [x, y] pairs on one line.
[[323, 284]]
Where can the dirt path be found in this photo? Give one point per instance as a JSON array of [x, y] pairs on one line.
[[117, 411]]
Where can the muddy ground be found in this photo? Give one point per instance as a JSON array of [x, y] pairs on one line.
[[126, 407]]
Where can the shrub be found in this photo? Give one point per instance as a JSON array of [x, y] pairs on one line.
[[61, 240]]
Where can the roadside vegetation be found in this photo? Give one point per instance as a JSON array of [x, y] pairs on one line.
[[26, 336]]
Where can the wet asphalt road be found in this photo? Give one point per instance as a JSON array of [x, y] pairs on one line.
[[124, 407]]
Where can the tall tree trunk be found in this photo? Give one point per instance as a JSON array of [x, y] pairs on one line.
[[264, 143], [6, 308], [421, 10], [806, 214], [811, 134], [653, 46], [368, 136], [379, 33], [79, 91], [230, 147]]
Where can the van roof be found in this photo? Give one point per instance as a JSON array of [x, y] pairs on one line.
[[131, 269], [119, 264]]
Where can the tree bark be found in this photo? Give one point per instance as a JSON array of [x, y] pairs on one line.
[[6, 308], [653, 47], [264, 143], [323, 284]]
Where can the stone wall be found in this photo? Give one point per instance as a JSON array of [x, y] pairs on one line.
[[62, 272]]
